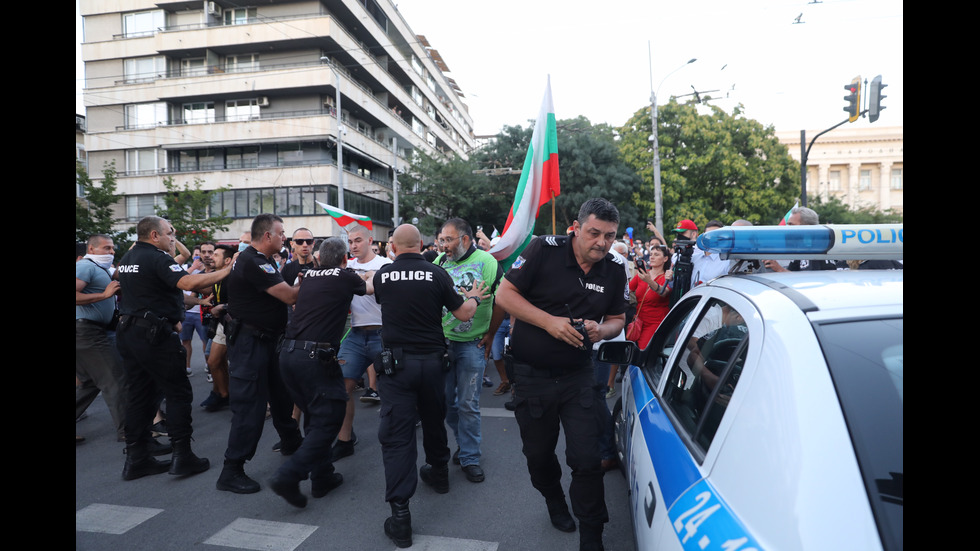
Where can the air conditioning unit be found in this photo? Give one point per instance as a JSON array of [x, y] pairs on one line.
[[214, 8], [263, 101]]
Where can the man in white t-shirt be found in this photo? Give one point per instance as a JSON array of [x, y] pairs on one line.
[[363, 342]]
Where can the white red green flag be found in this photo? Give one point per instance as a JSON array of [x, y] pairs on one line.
[[539, 184], [345, 218], [789, 213]]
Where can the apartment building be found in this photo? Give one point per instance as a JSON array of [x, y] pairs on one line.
[[863, 167], [245, 96]]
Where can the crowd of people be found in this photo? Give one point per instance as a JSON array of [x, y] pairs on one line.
[[291, 334]]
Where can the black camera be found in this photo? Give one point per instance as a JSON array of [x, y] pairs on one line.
[[580, 327]]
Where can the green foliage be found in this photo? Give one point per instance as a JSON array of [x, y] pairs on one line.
[[436, 189], [712, 166], [93, 213], [186, 207], [834, 211]]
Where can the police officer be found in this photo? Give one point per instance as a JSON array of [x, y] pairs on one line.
[[308, 362], [558, 278], [151, 309], [412, 372], [257, 309]]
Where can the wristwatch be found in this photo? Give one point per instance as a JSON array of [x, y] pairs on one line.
[[476, 298]]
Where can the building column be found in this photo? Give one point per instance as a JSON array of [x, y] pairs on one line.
[[885, 179], [853, 181], [824, 178]]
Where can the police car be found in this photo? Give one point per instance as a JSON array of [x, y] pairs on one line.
[[767, 410]]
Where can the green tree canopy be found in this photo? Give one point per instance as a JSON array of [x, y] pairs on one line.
[[187, 208], [93, 212], [712, 166], [834, 211]]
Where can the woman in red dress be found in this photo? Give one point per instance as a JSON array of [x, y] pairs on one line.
[[652, 289]]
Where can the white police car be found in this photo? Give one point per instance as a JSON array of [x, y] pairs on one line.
[[767, 411]]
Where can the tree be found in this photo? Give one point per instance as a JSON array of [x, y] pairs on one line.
[[437, 189], [834, 211], [93, 211], [712, 166], [187, 209]]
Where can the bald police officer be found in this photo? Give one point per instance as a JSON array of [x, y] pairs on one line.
[[557, 278], [412, 371], [151, 309]]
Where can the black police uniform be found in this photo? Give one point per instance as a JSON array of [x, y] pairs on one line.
[[153, 358], [555, 381], [292, 269], [308, 363], [412, 292], [258, 320]]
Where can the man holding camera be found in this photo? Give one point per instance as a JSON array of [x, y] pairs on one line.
[[412, 371], [311, 373], [566, 292]]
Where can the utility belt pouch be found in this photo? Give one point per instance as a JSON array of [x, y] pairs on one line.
[[328, 358], [232, 327], [390, 360], [509, 363], [448, 360], [158, 328]]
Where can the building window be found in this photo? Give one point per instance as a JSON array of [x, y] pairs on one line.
[[834, 180], [242, 157], [239, 16], [416, 94], [144, 23], [138, 206], [199, 112], [193, 67], [417, 65], [242, 109], [200, 159], [431, 138], [146, 115], [896, 178], [144, 69], [142, 161], [418, 127], [242, 63], [431, 82], [864, 181]]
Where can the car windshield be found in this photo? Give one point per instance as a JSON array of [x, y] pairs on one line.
[[866, 362]]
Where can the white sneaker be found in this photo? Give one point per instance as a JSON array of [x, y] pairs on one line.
[[189, 372]]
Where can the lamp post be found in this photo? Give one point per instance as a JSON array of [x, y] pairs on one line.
[[340, 136], [657, 199]]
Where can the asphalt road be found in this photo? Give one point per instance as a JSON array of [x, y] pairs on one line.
[[163, 512]]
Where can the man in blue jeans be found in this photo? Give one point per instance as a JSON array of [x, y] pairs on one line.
[[470, 342]]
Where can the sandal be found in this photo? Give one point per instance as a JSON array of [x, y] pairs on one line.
[[502, 389]]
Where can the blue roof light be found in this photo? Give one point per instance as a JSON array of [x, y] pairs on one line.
[[829, 242]]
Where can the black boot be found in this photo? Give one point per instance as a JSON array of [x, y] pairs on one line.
[[437, 477], [155, 447], [560, 517], [234, 479], [590, 537], [184, 461], [398, 526], [140, 463]]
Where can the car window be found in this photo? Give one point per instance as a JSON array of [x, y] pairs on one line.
[[701, 381], [665, 339]]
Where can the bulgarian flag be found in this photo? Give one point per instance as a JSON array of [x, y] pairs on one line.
[[538, 185], [789, 213], [345, 218]]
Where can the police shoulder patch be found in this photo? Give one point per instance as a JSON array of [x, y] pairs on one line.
[[555, 240], [617, 259], [268, 268], [518, 263], [176, 268]]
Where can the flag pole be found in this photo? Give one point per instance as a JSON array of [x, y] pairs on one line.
[[553, 213]]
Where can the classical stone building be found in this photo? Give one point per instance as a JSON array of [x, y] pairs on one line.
[[863, 167]]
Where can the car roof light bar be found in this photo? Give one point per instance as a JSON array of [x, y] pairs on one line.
[[820, 242]]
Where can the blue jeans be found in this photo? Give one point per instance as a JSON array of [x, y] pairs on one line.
[[497, 352], [358, 351], [463, 384]]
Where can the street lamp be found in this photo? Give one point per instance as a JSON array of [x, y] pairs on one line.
[[658, 202], [340, 136]]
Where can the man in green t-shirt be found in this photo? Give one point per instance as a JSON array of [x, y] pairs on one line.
[[469, 342]]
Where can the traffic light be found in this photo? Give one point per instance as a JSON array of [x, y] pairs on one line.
[[874, 98], [853, 98]]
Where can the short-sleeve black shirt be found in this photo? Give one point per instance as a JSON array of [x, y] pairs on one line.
[[412, 291], [292, 269], [322, 305], [148, 278], [248, 301], [548, 276]]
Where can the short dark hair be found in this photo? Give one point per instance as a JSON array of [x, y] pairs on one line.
[[95, 238], [333, 251], [263, 223], [80, 249], [714, 224], [600, 208], [462, 227], [208, 243], [227, 250], [148, 224]]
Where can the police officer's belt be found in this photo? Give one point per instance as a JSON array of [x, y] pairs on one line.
[[424, 355], [290, 344], [259, 333], [528, 370], [143, 322], [366, 328], [84, 321]]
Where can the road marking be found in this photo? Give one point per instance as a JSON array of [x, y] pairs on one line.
[[436, 543], [111, 519], [262, 535], [496, 412]]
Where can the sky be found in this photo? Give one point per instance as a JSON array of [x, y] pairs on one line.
[[604, 58]]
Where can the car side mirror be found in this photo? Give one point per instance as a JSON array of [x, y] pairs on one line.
[[618, 352]]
